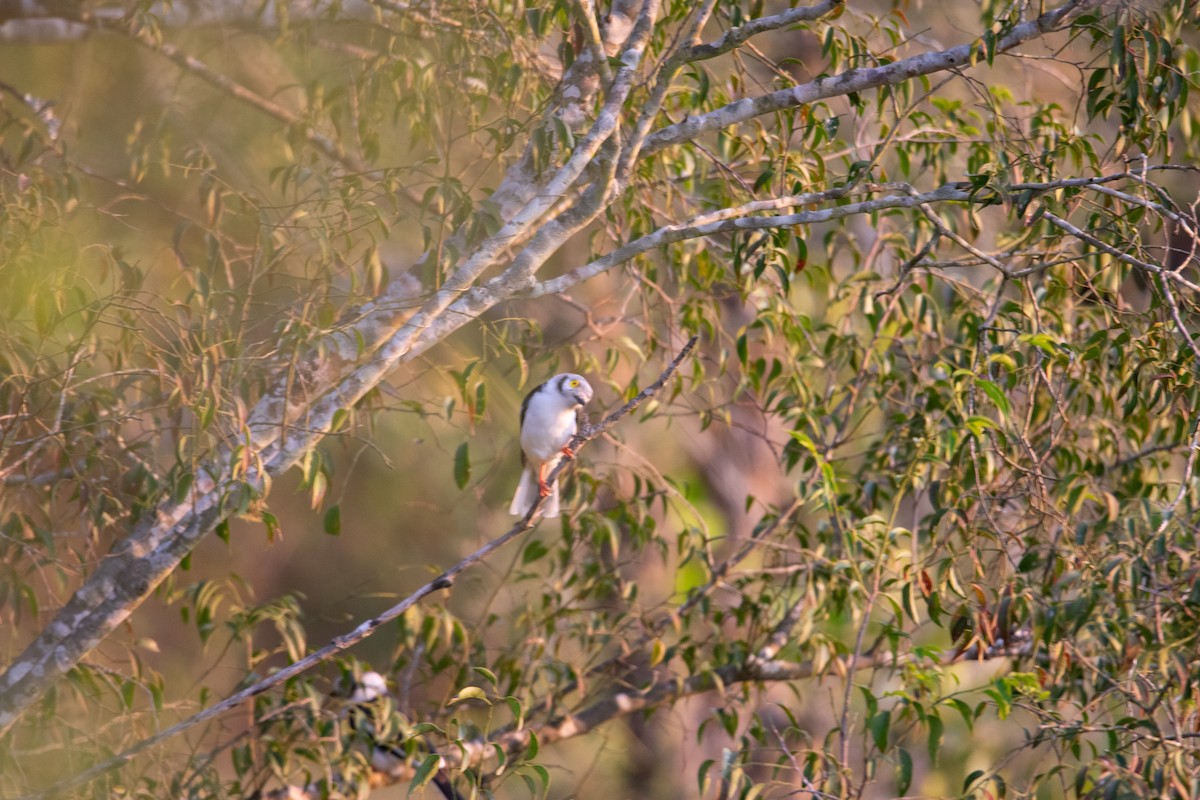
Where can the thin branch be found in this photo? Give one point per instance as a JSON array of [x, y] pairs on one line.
[[961, 242], [1185, 480], [1175, 315], [710, 224], [199, 69], [1154, 269], [858, 80], [735, 37]]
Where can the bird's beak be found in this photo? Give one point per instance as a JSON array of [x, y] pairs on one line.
[[580, 400]]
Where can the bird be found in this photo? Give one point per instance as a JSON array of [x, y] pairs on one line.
[[549, 419], [371, 686], [366, 707], [368, 697]]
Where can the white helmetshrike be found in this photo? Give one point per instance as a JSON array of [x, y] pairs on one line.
[[548, 421], [388, 757], [393, 758]]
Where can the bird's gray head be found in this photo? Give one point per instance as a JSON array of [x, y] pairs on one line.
[[573, 387]]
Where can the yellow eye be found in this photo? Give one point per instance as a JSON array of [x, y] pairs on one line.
[[574, 383]]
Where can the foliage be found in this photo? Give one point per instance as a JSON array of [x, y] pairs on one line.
[[920, 519]]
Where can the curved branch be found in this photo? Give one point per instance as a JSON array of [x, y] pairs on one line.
[[729, 220], [735, 37], [1153, 269], [194, 66], [857, 80]]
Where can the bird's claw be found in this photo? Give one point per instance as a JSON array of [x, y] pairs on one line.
[[568, 452], [543, 489]]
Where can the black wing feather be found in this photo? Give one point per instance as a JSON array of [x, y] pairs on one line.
[[524, 408]]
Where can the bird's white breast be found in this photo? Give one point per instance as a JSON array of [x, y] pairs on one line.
[[549, 425]]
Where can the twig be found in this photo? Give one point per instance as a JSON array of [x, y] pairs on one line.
[[347, 640], [1185, 481], [1117, 254]]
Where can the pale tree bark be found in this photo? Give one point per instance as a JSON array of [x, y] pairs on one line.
[[540, 216]]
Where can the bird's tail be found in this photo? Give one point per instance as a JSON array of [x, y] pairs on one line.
[[527, 493], [550, 508]]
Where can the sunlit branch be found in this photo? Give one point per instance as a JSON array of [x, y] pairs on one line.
[[735, 37], [199, 69], [858, 80], [710, 224]]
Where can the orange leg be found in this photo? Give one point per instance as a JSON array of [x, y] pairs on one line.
[[543, 489], [568, 452]]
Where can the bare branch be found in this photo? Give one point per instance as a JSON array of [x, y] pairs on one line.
[[199, 69]]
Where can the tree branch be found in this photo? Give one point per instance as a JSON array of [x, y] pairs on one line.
[[858, 80], [1153, 269], [282, 427], [721, 222], [735, 37], [194, 66]]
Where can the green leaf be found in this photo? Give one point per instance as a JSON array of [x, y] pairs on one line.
[[970, 780], [462, 465], [764, 179], [518, 711], [904, 771], [977, 424], [995, 394], [425, 772], [333, 520], [936, 729], [878, 725], [480, 399], [469, 693], [544, 776], [533, 551], [183, 485], [532, 750]]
